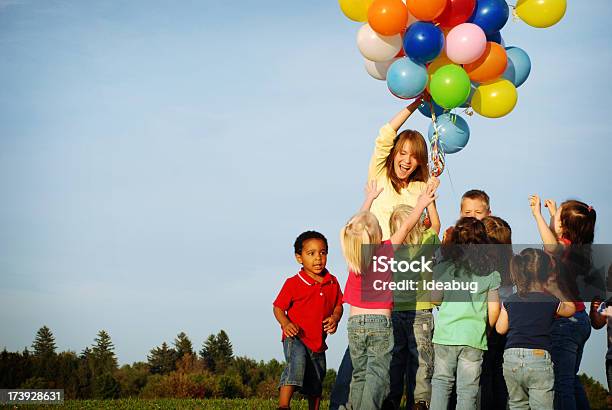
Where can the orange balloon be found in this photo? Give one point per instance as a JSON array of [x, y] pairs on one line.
[[490, 65], [388, 17], [440, 61], [426, 10]]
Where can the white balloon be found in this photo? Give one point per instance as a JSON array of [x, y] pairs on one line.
[[375, 47], [378, 69]]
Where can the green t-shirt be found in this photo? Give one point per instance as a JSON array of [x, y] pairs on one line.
[[404, 300], [462, 319]]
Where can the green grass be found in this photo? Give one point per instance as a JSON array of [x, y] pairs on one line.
[[168, 404]]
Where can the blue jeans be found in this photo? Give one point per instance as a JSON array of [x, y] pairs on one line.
[[370, 344], [412, 361], [493, 391], [305, 368], [568, 338], [530, 378], [466, 362], [340, 393]]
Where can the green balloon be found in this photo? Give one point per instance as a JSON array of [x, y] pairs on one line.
[[450, 86]]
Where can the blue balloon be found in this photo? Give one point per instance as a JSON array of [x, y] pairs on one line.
[[406, 79], [423, 42], [519, 66], [490, 15], [425, 109], [453, 132], [496, 38]]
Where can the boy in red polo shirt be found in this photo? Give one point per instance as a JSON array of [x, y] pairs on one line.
[[308, 308]]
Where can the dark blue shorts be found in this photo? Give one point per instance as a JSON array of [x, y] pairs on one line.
[[305, 368]]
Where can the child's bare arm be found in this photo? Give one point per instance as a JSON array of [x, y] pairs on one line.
[[426, 198], [502, 322], [493, 306], [290, 329], [566, 309], [401, 117], [548, 237], [330, 325], [371, 193]]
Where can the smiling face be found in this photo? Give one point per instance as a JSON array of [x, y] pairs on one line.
[[313, 257], [405, 161], [475, 208]]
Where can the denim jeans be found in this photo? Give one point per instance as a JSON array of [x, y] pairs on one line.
[[568, 338], [412, 360], [305, 368], [466, 363], [370, 344], [493, 391], [340, 393], [530, 378], [609, 374]]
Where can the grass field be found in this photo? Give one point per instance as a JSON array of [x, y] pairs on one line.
[[168, 404]]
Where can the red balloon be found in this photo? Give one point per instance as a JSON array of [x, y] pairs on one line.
[[456, 12]]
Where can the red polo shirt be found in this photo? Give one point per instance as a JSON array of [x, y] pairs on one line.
[[307, 303]]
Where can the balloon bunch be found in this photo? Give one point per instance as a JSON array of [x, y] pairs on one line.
[[451, 50]]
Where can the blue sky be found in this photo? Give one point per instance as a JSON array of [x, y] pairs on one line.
[[157, 159]]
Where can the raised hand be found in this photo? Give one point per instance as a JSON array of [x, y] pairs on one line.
[[552, 207], [535, 205], [427, 196], [371, 190]]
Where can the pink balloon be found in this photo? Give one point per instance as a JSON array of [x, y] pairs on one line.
[[465, 43]]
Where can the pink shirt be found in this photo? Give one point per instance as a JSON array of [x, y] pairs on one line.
[[365, 290]]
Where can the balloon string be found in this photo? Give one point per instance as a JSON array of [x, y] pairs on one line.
[[451, 181], [515, 16]]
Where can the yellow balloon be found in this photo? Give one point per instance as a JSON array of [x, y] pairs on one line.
[[356, 10], [541, 13], [495, 98]]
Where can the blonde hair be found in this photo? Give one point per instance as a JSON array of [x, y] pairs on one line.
[[361, 229], [398, 216]]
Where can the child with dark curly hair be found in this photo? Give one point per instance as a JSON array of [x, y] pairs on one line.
[[468, 297], [308, 308]]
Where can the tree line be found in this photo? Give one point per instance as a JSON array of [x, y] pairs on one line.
[[176, 370]]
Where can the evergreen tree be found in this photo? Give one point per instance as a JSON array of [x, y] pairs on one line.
[[44, 343], [209, 352], [44, 360], [162, 359], [103, 355], [217, 352], [225, 352], [106, 387], [85, 375], [183, 345]]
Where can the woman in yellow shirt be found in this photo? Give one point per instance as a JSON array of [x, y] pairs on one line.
[[399, 166]]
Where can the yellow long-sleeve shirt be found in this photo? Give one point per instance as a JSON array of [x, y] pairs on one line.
[[388, 199]]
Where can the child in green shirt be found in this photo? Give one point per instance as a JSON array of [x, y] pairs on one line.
[[470, 296]]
